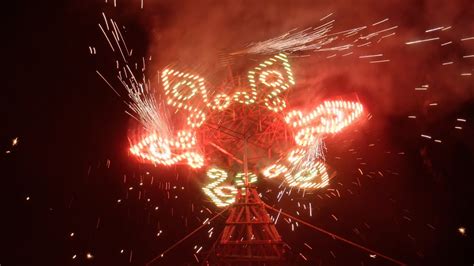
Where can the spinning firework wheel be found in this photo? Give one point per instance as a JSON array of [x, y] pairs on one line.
[[278, 143], [240, 135]]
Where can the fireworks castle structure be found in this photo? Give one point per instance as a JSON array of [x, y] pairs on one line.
[[247, 129], [244, 130]]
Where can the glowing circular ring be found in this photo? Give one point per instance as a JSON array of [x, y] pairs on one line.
[[275, 104], [221, 101], [177, 94], [266, 75], [160, 150], [327, 118], [196, 119]]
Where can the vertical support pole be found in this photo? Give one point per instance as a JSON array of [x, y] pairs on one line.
[[246, 167]]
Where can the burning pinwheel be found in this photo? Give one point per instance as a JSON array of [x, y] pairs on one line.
[[253, 119]]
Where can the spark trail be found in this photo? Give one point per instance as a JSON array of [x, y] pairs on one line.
[[319, 39]]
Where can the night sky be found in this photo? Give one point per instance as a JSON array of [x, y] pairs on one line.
[[73, 195]]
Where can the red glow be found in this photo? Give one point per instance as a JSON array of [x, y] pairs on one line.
[[328, 118], [169, 152], [187, 92]]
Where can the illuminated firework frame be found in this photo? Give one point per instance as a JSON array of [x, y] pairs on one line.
[[268, 83]]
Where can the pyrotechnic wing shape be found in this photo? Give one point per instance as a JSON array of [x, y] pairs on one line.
[[303, 167], [328, 118], [181, 90], [169, 151], [182, 87], [273, 77]]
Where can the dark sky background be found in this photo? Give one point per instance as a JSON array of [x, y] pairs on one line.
[[70, 125]]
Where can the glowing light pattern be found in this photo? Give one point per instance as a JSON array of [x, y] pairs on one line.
[[297, 174], [306, 136], [310, 176], [220, 102], [240, 179], [271, 78], [275, 104], [305, 176], [188, 92], [245, 97], [180, 88], [274, 75], [169, 151], [221, 195], [296, 155], [196, 119], [185, 140], [224, 194], [330, 117], [337, 115], [226, 191], [303, 167], [274, 170], [160, 150]]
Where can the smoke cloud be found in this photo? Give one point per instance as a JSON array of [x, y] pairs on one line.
[[194, 34]]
